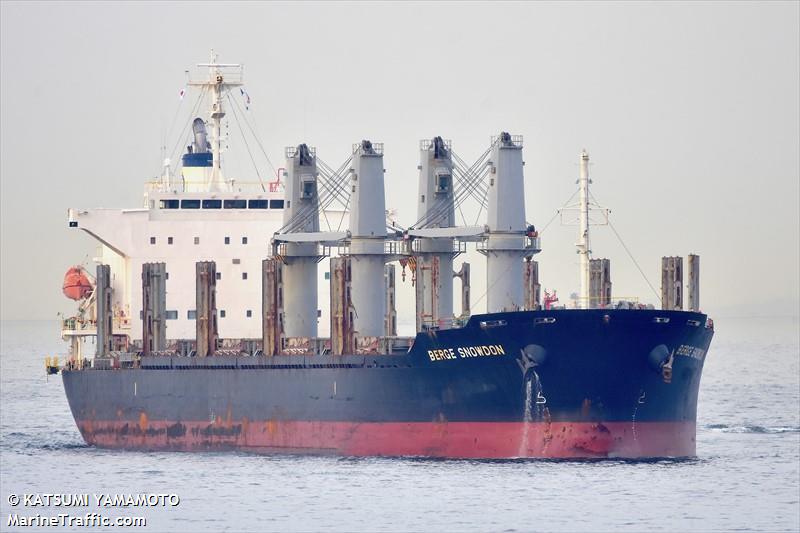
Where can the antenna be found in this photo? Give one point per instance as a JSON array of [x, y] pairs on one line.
[[221, 77], [585, 208]]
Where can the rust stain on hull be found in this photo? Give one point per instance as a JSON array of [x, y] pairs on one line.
[[435, 439]]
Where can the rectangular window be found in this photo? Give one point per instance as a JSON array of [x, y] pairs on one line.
[[227, 240], [237, 261], [219, 275], [259, 204], [244, 275], [244, 240], [190, 204], [169, 240], [327, 275], [172, 315], [170, 204], [191, 314], [443, 183], [212, 204], [197, 240], [222, 313], [307, 190], [152, 240], [249, 313], [235, 204], [276, 204]]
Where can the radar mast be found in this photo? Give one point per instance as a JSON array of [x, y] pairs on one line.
[[221, 78]]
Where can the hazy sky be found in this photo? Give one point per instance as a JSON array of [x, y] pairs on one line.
[[690, 113]]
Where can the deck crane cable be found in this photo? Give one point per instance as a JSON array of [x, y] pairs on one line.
[[331, 188], [478, 192], [475, 177], [343, 194], [324, 212], [470, 180], [462, 192], [460, 162], [344, 212], [246, 145], [479, 186], [303, 215], [467, 182], [480, 198], [484, 192], [181, 137], [625, 247], [431, 216], [253, 128], [331, 184], [333, 181]]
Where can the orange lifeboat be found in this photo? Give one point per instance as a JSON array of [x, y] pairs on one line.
[[76, 285]]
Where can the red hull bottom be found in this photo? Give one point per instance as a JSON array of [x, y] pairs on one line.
[[485, 440]]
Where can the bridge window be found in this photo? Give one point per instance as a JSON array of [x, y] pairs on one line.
[[276, 204], [191, 314], [259, 204], [172, 315], [212, 204], [443, 183], [235, 204], [190, 204], [170, 204]]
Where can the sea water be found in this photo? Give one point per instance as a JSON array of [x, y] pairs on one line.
[[746, 475]]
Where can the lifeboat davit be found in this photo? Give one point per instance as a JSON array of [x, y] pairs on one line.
[[76, 284]]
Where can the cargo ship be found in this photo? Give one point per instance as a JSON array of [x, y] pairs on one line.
[[205, 311]]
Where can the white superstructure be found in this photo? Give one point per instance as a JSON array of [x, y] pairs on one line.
[[253, 231], [197, 215]]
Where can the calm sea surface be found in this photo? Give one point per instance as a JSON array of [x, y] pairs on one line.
[[746, 475]]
